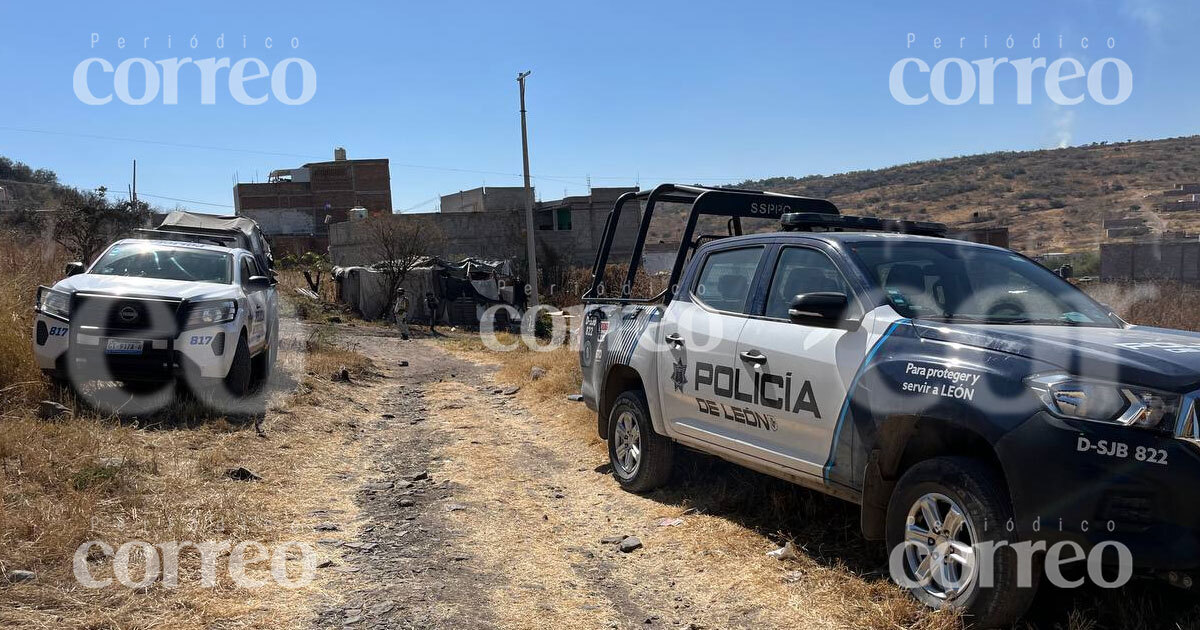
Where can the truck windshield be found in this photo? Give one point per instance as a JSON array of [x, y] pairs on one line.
[[963, 283], [155, 261]]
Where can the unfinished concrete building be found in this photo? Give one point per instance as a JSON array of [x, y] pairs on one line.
[[295, 206], [490, 223]]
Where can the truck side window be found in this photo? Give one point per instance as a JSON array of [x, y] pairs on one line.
[[802, 270], [724, 282], [248, 270]]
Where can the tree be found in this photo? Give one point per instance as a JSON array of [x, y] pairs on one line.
[[398, 242], [315, 265], [88, 221], [24, 221]]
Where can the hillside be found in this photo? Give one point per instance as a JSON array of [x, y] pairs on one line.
[[23, 187], [1051, 200]]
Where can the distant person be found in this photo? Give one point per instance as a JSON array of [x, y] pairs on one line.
[[520, 299], [431, 303], [400, 312]]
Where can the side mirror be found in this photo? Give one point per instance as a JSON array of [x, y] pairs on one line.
[[819, 309], [258, 283], [74, 269]]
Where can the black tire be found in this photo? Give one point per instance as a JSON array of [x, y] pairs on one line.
[[654, 458], [978, 490], [264, 362], [237, 380]]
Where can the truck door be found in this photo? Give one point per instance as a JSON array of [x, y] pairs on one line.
[[799, 374], [256, 320], [700, 333]]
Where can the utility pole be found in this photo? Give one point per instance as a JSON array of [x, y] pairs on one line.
[[530, 245], [133, 190]]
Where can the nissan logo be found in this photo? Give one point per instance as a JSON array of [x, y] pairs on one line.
[[128, 314]]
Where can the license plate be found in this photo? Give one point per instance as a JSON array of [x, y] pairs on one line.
[[123, 346]]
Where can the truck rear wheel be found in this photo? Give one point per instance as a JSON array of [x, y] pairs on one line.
[[641, 459], [939, 514]]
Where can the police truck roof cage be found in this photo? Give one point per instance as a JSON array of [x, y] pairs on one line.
[[734, 203], [816, 222]]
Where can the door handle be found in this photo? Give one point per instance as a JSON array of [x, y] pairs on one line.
[[675, 340], [754, 356]]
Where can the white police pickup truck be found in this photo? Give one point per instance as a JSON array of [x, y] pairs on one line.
[[961, 394], [148, 310]]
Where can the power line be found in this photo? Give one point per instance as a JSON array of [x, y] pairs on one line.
[[114, 191], [449, 169]]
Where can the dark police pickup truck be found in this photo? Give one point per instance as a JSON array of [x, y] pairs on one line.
[[960, 393]]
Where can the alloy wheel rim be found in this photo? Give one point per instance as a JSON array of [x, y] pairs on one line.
[[939, 547], [628, 444]]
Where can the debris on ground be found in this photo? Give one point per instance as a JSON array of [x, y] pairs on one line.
[[536, 373], [241, 473], [111, 462], [670, 522], [327, 527], [50, 410], [786, 552], [629, 545], [511, 391], [612, 540], [16, 577], [575, 397], [341, 376]]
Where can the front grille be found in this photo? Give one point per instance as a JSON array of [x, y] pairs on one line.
[[121, 315]]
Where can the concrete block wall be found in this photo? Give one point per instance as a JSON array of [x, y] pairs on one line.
[[495, 234], [1159, 260]]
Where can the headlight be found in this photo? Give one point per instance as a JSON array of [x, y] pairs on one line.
[[1098, 401], [208, 313], [54, 303]]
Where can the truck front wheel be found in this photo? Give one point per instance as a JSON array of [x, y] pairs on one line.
[[943, 515], [641, 459], [237, 380]]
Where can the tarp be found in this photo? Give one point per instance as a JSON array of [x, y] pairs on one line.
[[245, 230], [472, 280]]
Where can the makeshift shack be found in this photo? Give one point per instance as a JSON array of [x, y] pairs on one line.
[[464, 289]]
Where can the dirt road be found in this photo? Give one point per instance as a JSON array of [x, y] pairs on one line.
[[476, 512]]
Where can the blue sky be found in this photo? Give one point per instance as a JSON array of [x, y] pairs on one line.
[[624, 92]]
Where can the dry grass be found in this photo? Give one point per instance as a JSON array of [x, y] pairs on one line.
[[161, 478], [327, 308], [835, 582], [715, 561], [1166, 305], [95, 478], [23, 266]]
